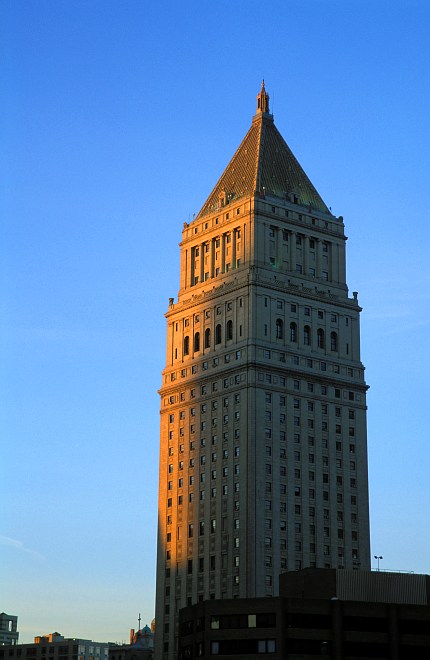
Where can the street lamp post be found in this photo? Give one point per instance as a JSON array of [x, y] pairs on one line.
[[378, 557]]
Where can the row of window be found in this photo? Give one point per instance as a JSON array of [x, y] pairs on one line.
[[205, 389], [183, 373], [268, 378], [225, 403], [202, 493], [282, 450], [207, 338], [306, 310], [310, 363], [227, 307], [311, 493], [279, 333], [205, 247], [307, 335], [216, 221], [269, 396]]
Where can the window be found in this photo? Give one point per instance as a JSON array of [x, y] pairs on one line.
[[307, 311], [218, 334], [333, 341], [306, 335], [207, 338], [279, 329], [320, 338], [197, 342], [229, 330], [293, 332], [186, 345]]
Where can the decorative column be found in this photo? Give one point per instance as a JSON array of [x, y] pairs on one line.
[[293, 248], [305, 254], [318, 254]]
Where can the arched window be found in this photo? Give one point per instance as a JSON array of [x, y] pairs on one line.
[[293, 332], [186, 345], [279, 329], [196, 342], [320, 338], [333, 341], [207, 338], [218, 334], [229, 330], [307, 335]]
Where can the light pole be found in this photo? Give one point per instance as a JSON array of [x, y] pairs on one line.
[[378, 557]]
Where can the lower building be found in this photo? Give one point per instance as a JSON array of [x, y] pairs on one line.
[[342, 614], [8, 629], [55, 647], [141, 646]]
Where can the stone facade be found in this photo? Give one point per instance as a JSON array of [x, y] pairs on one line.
[[263, 450]]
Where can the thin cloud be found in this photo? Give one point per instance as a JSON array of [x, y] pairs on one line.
[[19, 545]]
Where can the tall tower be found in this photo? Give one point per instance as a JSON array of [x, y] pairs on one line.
[[263, 451]]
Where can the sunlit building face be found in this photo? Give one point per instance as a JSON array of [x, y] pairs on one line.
[[263, 453]]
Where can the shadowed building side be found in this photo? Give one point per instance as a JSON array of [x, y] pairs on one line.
[[263, 450]]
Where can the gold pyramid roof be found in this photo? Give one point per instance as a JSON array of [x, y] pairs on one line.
[[263, 164]]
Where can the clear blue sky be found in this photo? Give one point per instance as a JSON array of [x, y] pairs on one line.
[[117, 119]]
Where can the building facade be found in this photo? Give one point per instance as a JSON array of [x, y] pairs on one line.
[[341, 614], [55, 647], [263, 450], [8, 629]]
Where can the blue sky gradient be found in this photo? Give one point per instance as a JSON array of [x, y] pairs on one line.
[[117, 120]]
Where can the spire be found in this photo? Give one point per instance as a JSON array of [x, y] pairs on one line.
[[262, 100], [263, 161]]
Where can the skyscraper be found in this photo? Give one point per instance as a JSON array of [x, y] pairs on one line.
[[263, 451]]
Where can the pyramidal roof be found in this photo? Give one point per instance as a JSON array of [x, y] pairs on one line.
[[263, 164]]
